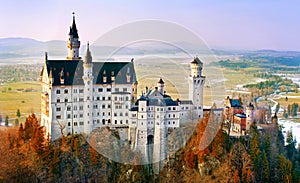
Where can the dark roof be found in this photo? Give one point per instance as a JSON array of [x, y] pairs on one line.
[[186, 102], [73, 29], [161, 81], [135, 108], [72, 70], [157, 102], [196, 61], [235, 103]]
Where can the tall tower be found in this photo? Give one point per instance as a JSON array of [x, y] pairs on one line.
[[73, 43], [88, 91], [196, 84]]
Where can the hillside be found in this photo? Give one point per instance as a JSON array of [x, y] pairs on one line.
[[27, 157]]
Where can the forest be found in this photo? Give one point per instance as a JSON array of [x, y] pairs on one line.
[[27, 156]]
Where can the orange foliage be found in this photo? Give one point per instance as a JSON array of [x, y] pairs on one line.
[[194, 153]]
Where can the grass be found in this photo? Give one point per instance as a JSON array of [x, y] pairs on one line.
[[11, 100], [234, 78]]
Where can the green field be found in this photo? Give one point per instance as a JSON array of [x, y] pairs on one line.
[[234, 78], [13, 96]]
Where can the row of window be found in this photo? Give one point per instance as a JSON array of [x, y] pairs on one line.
[[66, 91]]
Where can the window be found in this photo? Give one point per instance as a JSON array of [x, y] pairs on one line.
[[75, 115], [81, 107], [58, 100], [108, 89], [69, 124], [103, 106], [121, 114], [116, 89], [58, 91], [124, 89], [58, 117], [66, 91], [80, 90], [103, 121], [68, 116], [80, 99], [169, 108], [116, 121], [98, 98], [75, 107], [75, 90], [66, 99], [126, 114], [58, 109], [75, 123], [75, 99], [109, 98], [115, 114], [116, 98], [81, 123], [108, 113], [69, 108], [103, 98], [100, 89], [121, 121], [174, 108], [103, 114], [81, 115], [108, 106]]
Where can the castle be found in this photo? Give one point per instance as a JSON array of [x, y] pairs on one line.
[[79, 95]]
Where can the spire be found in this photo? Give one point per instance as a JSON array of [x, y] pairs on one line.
[[88, 56], [73, 30], [161, 81]]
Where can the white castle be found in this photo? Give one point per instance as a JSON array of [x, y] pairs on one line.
[[79, 95]]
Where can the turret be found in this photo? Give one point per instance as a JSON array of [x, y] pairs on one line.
[[196, 67], [161, 85], [88, 91], [73, 43]]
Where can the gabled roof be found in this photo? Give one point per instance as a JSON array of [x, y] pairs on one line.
[[72, 71]]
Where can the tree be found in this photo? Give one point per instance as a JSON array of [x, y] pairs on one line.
[[18, 113], [265, 170], [6, 121], [236, 178], [290, 147], [277, 108], [17, 122]]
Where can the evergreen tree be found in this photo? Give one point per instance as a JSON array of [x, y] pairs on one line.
[[265, 170], [6, 121], [290, 147], [18, 113]]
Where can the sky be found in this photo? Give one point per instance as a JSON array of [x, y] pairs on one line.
[[225, 24]]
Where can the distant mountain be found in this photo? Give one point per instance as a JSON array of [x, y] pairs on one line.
[[20, 48], [26, 47]]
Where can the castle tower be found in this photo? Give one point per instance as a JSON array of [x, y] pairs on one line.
[[88, 91], [160, 142], [196, 85], [249, 115], [73, 43], [141, 133], [160, 86]]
